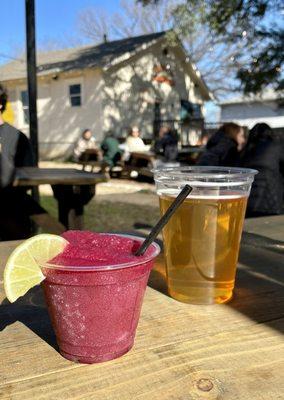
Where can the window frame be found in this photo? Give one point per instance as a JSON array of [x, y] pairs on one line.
[[70, 83], [20, 114]]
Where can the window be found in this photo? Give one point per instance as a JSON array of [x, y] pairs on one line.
[[25, 105], [75, 95], [190, 110]]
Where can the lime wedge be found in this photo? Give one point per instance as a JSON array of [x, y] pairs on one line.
[[22, 271]]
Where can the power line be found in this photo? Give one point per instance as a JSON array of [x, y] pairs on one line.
[[11, 58]]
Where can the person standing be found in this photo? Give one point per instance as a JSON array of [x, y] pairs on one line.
[[263, 152], [16, 206]]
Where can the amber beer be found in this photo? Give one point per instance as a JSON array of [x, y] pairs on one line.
[[201, 244]]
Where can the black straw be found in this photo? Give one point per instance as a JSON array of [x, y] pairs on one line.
[[164, 220]]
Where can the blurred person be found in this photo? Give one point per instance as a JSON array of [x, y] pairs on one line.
[[16, 206], [85, 142], [263, 152], [224, 147], [133, 142], [204, 139], [166, 145], [111, 151]]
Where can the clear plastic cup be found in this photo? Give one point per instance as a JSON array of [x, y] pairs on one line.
[[95, 310], [202, 238]]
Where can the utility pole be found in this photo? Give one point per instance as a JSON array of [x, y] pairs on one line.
[[32, 82]]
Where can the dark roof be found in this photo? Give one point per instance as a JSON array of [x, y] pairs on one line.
[[101, 55]]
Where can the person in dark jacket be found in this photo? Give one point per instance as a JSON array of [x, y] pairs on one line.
[[263, 152], [16, 206], [166, 145], [223, 148]]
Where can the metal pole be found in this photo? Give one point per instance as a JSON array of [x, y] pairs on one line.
[[32, 83], [31, 71]]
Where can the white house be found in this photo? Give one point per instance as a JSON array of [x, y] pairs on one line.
[[106, 87], [248, 111]]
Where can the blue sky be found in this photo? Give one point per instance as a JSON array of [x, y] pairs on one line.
[[55, 20]]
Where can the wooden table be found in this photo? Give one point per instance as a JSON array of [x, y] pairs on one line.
[[190, 154], [32, 176], [181, 352], [142, 162]]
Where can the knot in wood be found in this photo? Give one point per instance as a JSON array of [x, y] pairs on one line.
[[205, 385]]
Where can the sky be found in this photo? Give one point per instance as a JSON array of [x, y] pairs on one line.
[[56, 20]]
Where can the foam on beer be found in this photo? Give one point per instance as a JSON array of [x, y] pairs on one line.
[[219, 194]]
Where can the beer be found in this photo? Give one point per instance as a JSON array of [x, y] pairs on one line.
[[201, 243]]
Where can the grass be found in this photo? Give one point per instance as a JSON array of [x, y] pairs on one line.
[[107, 216]]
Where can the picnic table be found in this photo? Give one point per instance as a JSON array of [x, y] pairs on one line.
[[142, 162], [190, 154], [59, 179], [33, 176], [181, 352]]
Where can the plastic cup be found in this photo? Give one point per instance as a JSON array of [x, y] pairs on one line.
[[95, 310], [202, 238]]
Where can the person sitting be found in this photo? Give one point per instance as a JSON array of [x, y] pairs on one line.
[[224, 147], [167, 145], [111, 150], [263, 152], [16, 206], [134, 143], [86, 142]]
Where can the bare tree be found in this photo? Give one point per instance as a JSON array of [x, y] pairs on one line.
[[217, 59], [132, 19], [50, 43]]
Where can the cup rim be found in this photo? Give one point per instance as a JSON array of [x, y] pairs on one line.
[[205, 172], [84, 268]]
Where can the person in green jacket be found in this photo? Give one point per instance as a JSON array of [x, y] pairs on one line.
[[111, 150]]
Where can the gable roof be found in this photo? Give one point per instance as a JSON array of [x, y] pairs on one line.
[[101, 55], [266, 95]]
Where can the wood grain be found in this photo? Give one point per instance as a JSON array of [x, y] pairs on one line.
[[181, 352]]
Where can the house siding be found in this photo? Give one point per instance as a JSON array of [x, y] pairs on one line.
[[248, 114], [130, 93], [59, 124], [113, 99]]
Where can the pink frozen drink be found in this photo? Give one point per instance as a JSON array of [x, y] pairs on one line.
[[94, 291]]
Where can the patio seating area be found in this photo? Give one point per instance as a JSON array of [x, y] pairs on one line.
[[141, 200], [181, 351]]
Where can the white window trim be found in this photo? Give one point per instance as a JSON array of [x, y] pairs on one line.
[[75, 81], [21, 116]]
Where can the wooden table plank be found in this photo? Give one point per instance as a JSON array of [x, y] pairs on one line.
[[227, 364], [159, 314], [185, 352], [269, 227], [31, 176]]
